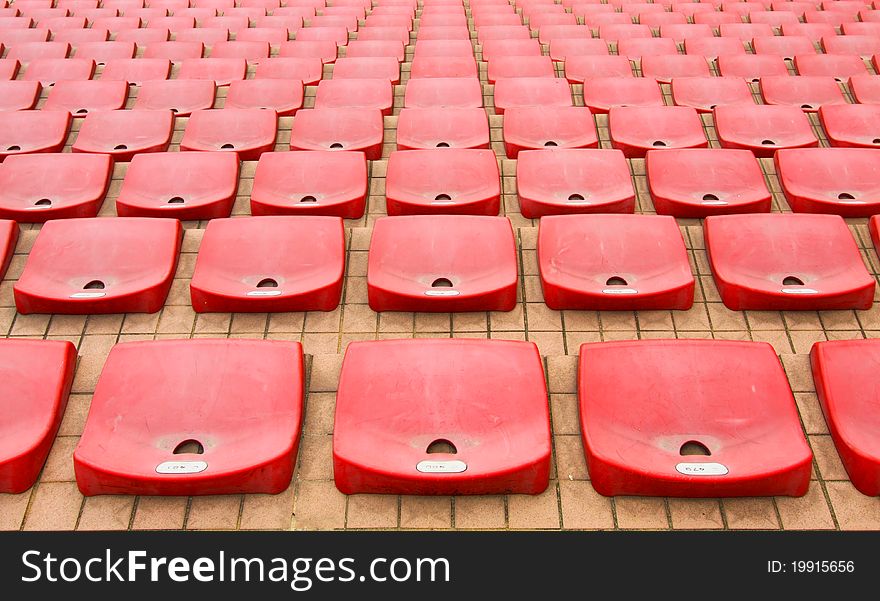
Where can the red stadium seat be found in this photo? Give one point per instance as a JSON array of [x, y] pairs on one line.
[[277, 263]]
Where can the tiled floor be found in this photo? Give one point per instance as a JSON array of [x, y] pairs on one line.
[[312, 501]]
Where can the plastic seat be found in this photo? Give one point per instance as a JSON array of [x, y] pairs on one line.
[[116, 24], [529, 128], [663, 67], [10, 37], [100, 265], [24, 132], [787, 262], [839, 66], [31, 51], [222, 70], [18, 96], [337, 35], [452, 92], [442, 263], [682, 33], [852, 125], [339, 129], [183, 185], [497, 48], [307, 70], [175, 51], [844, 372], [814, 31], [751, 66], [375, 94], [310, 183], [101, 52], [602, 93], [82, 97], [839, 181], [614, 263], [561, 181], [124, 134], [706, 93], [443, 66], [486, 32], [261, 264], [763, 129], [425, 48], [180, 96], [400, 34], [745, 31], [698, 182], [138, 441], [808, 92], [172, 24], [687, 428], [285, 97], [865, 88], [519, 66], [562, 49], [857, 45], [359, 48], [485, 438], [274, 36], [635, 48], [786, 46], [531, 91], [325, 50], [247, 132], [206, 36], [143, 36], [637, 129], [48, 71], [40, 371], [137, 71], [444, 180], [711, 48], [373, 67], [424, 128], [581, 68]]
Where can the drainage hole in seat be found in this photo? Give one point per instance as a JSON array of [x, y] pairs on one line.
[[712, 106], [43, 202], [82, 111], [441, 283], [94, 285], [13, 148], [120, 147], [189, 447], [177, 200], [441, 445], [336, 146], [308, 199], [875, 141], [768, 142], [227, 147], [659, 144], [443, 197], [550, 144], [709, 197], [615, 280], [575, 197], [792, 281], [442, 144], [692, 447], [845, 196], [267, 283], [173, 110], [806, 107]]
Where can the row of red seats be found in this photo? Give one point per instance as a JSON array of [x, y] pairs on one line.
[[701, 418], [442, 263]]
